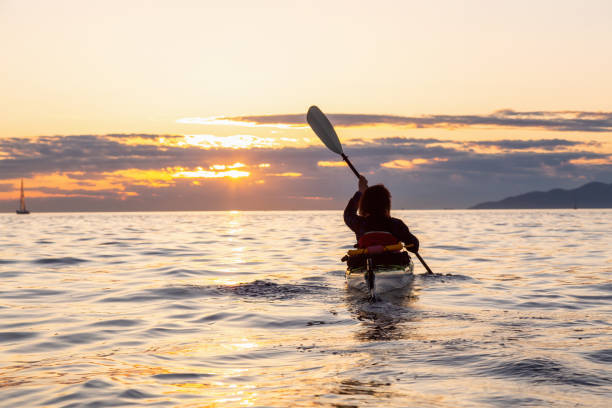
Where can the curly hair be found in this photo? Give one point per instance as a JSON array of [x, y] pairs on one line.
[[376, 201]]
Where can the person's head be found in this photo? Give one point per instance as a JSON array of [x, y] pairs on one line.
[[375, 201]]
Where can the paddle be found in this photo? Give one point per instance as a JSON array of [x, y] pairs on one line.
[[321, 126], [324, 129]]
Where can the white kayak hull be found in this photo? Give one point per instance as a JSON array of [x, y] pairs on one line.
[[386, 279]]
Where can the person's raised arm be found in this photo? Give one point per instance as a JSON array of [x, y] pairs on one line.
[[350, 212]]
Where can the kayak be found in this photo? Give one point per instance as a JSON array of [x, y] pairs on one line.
[[380, 270], [385, 278]]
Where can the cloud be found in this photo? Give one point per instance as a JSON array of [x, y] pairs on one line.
[[327, 163], [598, 161], [274, 121], [564, 121], [490, 146], [121, 172], [90, 154], [286, 174], [7, 187], [410, 164], [234, 141], [315, 198], [546, 144]]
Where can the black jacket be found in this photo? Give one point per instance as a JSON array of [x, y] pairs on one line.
[[361, 225]]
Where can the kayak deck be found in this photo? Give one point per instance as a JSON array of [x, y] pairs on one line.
[[386, 278]]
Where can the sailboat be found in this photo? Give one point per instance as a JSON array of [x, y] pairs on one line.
[[22, 208]]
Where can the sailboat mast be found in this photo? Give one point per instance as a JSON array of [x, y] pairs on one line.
[[22, 207], [22, 200]]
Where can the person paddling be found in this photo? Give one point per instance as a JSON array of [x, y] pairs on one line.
[[368, 214], [362, 224]]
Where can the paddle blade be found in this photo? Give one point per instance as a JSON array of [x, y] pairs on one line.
[[324, 129]]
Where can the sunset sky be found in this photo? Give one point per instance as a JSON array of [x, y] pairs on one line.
[[200, 105]]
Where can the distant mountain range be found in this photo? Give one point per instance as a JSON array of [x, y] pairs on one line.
[[590, 195]]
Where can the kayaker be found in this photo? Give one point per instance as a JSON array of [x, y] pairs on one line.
[[373, 225]]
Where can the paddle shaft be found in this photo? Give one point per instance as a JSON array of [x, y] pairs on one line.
[[423, 262], [346, 159], [358, 175]]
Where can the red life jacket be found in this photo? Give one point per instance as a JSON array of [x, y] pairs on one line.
[[374, 238]]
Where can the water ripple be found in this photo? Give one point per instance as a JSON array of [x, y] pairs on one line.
[[15, 336], [60, 261], [272, 290], [544, 370], [601, 356]]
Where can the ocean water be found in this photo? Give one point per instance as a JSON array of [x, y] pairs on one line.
[[230, 309]]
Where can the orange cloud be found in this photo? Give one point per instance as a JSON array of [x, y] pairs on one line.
[[139, 177], [228, 166], [592, 162], [139, 140], [68, 182], [165, 177], [116, 181], [287, 174], [9, 195], [201, 173], [401, 164], [339, 163], [232, 142], [239, 121], [203, 141], [316, 198]]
